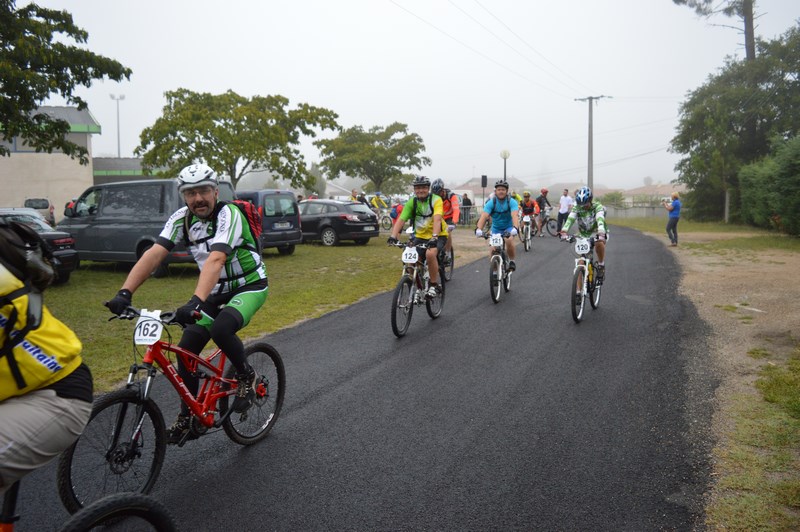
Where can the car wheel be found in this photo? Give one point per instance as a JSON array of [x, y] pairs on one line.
[[286, 250], [361, 241], [329, 237]]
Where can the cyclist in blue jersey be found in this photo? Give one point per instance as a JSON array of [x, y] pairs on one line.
[[504, 211], [231, 288]]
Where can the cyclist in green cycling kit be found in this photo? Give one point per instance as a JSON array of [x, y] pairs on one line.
[[424, 210], [231, 288], [591, 217]]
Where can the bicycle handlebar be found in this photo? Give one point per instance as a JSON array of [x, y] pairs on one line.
[[167, 318], [413, 242]]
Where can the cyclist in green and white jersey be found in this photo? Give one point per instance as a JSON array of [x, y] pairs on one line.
[[231, 288], [591, 217]]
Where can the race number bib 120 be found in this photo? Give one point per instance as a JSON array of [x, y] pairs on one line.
[[582, 246], [148, 328]]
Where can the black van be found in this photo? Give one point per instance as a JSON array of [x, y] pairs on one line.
[[118, 221], [281, 218]]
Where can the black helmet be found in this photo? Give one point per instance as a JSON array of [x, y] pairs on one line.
[[437, 185], [501, 183], [421, 181]]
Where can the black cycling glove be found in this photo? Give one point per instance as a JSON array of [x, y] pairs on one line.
[[119, 302], [392, 241], [186, 315]]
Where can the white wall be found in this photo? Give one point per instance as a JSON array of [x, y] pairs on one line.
[[42, 175]]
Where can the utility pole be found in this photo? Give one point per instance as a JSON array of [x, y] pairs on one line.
[[590, 175]]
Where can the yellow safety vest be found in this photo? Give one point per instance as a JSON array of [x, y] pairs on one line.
[[47, 353]]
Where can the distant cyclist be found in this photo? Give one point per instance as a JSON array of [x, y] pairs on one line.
[[45, 388], [504, 212], [424, 211], [542, 200], [529, 207], [591, 218], [232, 276], [450, 207]]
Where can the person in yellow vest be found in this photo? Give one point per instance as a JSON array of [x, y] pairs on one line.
[[45, 388]]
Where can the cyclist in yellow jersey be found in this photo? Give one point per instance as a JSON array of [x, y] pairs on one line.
[[45, 388], [424, 210]]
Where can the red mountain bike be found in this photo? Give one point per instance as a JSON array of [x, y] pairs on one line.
[[123, 446]]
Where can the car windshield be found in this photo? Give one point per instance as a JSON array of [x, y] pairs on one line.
[[361, 209], [37, 203], [37, 224]]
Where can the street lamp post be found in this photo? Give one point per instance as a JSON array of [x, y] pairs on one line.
[[505, 155], [117, 99]]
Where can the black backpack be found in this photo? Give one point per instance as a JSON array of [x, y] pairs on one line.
[[27, 257]]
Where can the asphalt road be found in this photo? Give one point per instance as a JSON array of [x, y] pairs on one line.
[[495, 416]]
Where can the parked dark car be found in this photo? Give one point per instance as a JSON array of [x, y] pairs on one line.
[[61, 244], [280, 218], [331, 221], [120, 221]]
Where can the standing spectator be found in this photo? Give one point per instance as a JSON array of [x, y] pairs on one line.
[[354, 195], [564, 206], [467, 204], [299, 198], [674, 208]]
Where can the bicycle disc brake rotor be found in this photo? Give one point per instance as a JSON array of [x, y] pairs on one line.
[[121, 458]]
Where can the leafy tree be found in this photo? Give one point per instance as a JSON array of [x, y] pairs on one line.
[[233, 134], [772, 188], [36, 61], [740, 8], [728, 122], [613, 198], [379, 155]]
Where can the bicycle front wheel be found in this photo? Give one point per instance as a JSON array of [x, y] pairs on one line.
[[552, 227], [495, 277], [254, 424], [402, 306], [386, 223], [577, 301], [123, 511], [116, 453], [526, 239]]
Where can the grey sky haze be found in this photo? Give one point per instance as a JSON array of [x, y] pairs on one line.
[[471, 77]]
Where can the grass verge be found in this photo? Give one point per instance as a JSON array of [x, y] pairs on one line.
[[759, 483], [311, 282]]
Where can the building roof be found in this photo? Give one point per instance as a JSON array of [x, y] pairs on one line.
[[80, 121]]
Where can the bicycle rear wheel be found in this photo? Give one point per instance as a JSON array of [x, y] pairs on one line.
[[449, 264], [386, 223], [552, 227], [577, 301], [436, 304], [123, 512], [594, 289], [495, 277], [402, 306], [107, 458], [254, 424], [507, 280]]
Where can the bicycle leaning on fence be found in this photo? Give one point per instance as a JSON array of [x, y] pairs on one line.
[[414, 285], [585, 283], [123, 446]]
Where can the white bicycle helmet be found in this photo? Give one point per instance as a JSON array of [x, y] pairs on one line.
[[197, 175]]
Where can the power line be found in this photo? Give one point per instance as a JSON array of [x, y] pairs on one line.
[[531, 47], [478, 52]]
